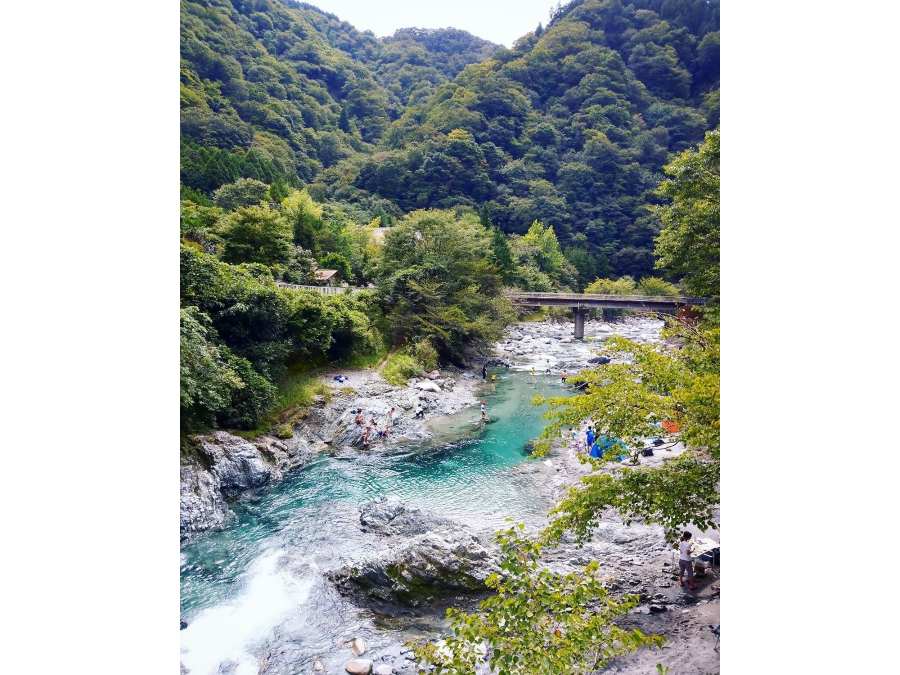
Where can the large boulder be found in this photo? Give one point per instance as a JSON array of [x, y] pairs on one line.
[[427, 385], [202, 505], [444, 561], [236, 463]]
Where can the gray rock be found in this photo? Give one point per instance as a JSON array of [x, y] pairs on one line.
[[202, 505], [390, 516], [428, 385], [358, 666], [447, 559], [382, 669], [237, 463]]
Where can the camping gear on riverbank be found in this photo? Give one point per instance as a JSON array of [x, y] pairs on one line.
[[670, 426], [706, 556]]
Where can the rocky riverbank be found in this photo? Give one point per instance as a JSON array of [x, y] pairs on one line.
[[225, 467], [393, 569]]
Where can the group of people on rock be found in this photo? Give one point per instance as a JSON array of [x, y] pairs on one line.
[[371, 430]]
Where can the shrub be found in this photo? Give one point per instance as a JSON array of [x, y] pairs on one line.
[[656, 286], [622, 286], [400, 367], [284, 431], [323, 390], [425, 353]]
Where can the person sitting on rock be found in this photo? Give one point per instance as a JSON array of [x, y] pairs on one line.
[[365, 436], [360, 420], [420, 412]]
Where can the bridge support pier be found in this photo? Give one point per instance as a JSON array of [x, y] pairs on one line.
[[579, 323]]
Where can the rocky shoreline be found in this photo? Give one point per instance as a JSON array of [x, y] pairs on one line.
[[225, 467], [412, 564]]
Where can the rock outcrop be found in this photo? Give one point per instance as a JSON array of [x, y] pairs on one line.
[[427, 558], [236, 464], [226, 466], [202, 505]]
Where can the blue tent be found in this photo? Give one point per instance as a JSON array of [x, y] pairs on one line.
[[604, 443]]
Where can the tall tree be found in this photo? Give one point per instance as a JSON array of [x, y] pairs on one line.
[[688, 244], [436, 282]]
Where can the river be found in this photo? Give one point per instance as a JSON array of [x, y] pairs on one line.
[[253, 594]]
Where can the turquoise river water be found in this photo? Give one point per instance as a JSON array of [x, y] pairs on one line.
[[262, 575]]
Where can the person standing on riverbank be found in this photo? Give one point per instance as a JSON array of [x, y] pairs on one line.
[[484, 371], [686, 562], [483, 412]]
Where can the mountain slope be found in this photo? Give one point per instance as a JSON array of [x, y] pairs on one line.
[[571, 127], [411, 62], [278, 91]]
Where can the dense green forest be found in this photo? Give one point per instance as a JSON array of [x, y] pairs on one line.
[[537, 167]]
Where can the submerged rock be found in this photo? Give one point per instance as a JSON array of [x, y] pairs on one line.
[[390, 516]]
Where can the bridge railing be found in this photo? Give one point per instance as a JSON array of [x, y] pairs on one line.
[[322, 290], [604, 297]]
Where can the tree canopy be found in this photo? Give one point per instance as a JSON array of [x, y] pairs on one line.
[[570, 127], [437, 283]]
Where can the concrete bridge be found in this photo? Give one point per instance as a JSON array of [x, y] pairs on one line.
[[581, 302]]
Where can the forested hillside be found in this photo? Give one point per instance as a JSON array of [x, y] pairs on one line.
[[570, 127], [536, 167], [278, 91]]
